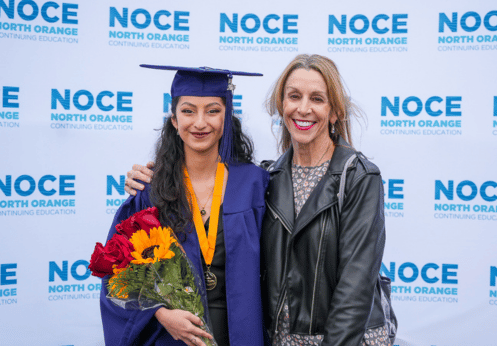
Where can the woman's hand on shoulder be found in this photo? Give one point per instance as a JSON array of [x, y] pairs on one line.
[[143, 173], [182, 325]]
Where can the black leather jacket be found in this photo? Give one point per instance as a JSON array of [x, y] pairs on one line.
[[325, 263]]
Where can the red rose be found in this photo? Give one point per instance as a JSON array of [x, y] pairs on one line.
[[145, 220], [117, 252]]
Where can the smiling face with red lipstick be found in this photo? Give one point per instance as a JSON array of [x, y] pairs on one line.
[[200, 123], [307, 112]]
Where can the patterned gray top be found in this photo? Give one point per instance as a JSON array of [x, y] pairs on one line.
[[305, 180]]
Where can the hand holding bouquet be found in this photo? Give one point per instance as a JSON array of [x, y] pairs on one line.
[[148, 268]]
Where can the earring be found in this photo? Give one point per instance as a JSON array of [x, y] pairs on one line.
[[333, 128]]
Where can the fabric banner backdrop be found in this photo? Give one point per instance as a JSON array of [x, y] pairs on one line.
[[76, 111]]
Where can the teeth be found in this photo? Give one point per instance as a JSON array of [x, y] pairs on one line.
[[304, 123]]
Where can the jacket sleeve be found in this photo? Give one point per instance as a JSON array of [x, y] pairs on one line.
[[361, 241], [127, 327]]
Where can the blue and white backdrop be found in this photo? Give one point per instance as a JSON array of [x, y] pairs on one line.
[[76, 112]]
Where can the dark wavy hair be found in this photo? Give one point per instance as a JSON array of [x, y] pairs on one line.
[[168, 191]]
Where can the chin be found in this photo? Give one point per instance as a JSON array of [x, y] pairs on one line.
[[302, 139], [203, 149]]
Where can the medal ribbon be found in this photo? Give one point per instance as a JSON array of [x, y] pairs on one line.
[[207, 244]]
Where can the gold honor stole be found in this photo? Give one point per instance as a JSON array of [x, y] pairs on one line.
[[207, 243]]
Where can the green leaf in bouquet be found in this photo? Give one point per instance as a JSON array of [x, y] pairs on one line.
[[171, 273], [165, 289]]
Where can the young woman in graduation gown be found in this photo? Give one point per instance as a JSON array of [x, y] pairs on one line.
[[203, 177]]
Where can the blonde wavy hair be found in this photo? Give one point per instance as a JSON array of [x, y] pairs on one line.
[[340, 102]]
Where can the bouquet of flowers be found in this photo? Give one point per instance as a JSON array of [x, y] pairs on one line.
[[148, 268]]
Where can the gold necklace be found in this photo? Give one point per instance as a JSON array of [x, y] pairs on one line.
[[202, 209], [322, 156]]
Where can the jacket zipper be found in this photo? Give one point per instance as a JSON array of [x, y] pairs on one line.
[[279, 311], [280, 308], [316, 273]]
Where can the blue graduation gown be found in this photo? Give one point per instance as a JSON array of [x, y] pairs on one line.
[[243, 209]]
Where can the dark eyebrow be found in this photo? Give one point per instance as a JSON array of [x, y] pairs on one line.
[[213, 104], [192, 105], [188, 104]]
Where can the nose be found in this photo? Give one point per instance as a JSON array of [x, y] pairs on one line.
[[200, 122], [304, 107]]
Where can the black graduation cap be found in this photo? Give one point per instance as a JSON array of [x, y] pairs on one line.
[[208, 82]]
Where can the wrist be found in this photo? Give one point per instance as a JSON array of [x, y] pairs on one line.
[[161, 313]]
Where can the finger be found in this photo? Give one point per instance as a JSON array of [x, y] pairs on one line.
[[195, 341], [133, 184], [194, 319], [137, 167], [144, 174], [147, 173], [196, 330], [141, 172], [188, 340], [199, 342], [146, 177], [203, 334], [130, 191]]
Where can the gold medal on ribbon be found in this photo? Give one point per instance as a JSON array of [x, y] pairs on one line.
[[210, 280], [207, 243]]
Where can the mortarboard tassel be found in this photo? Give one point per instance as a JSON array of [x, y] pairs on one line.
[[226, 145]]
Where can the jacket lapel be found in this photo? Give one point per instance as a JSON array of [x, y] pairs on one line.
[[322, 197], [325, 193], [280, 189]]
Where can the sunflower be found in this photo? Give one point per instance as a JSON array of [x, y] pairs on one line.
[[154, 248]]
